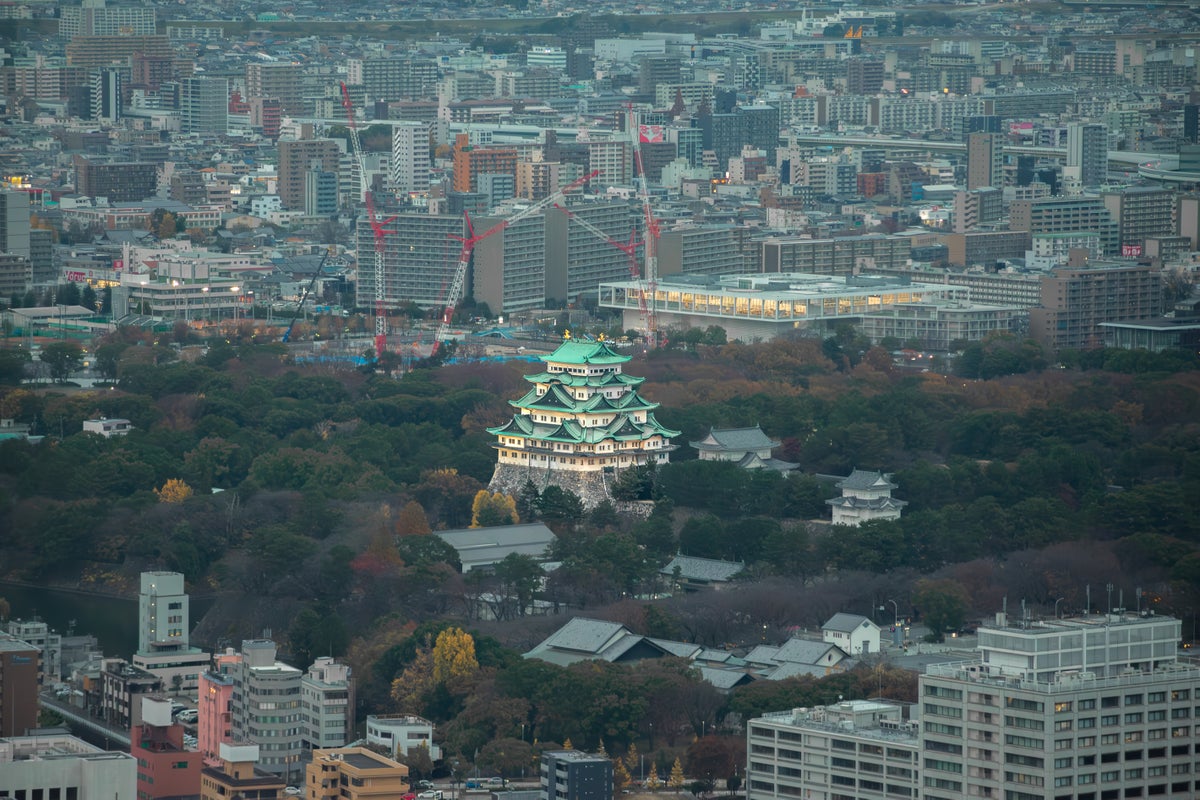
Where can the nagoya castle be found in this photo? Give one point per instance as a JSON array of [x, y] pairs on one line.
[[581, 422]]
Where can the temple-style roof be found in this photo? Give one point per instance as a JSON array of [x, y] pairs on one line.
[[877, 504], [622, 428], [567, 379], [556, 398], [861, 479], [736, 440], [579, 353]]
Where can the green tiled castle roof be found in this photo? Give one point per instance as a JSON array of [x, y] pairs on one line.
[[580, 353]]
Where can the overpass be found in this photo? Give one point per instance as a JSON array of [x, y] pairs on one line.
[[76, 717]]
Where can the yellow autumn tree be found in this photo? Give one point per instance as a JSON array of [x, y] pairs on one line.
[[621, 777], [652, 782], [173, 491], [631, 757], [411, 686], [454, 656], [675, 782], [489, 510], [567, 744]]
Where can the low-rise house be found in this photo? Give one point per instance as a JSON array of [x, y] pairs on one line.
[[853, 633], [749, 448], [690, 572], [486, 547]]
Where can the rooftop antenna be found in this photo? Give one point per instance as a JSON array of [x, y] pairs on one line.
[[1139, 600], [1110, 605], [1121, 601], [1088, 610]]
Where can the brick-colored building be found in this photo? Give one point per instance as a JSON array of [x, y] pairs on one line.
[[354, 773], [18, 687], [1075, 301], [165, 767], [471, 161], [296, 160]]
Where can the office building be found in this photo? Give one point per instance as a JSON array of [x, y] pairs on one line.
[[401, 734], [1089, 707], [265, 708], [864, 75], [164, 624], [854, 749], [496, 188], [509, 267], [122, 688], [1141, 213], [204, 106], [1050, 250], [54, 764], [95, 18], [48, 642], [410, 157], [166, 769], [1087, 154], [976, 207], [574, 775], [327, 705], [656, 70], [236, 774], [419, 260], [354, 773], [163, 613], [277, 80], [985, 161], [19, 667], [1074, 302], [296, 159]]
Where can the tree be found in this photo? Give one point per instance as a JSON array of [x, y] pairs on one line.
[[411, 520], [942, 604], [520, 577], [173, 491], [12, 364], [454, 656], [675, 782], [63, 358], [652, 782], [621, 777], [490, 510]]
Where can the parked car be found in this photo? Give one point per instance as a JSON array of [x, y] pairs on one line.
[[430, 794], [188, 715], [424, 784]]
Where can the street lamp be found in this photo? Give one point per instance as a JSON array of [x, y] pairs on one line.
[[204, 289], [1056, 602], [234, 290], [895, 612]]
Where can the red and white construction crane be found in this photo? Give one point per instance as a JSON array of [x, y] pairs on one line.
[[459, 283], [378, 227], [630, 249], [653, 230]]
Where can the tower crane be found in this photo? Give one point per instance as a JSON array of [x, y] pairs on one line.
[[378, 227], [653, 230], [459, 283], [287, 335], [629, 248]]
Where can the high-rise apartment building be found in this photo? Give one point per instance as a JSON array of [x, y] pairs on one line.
[[1141, 212], [392, 79], [419, 260], [120, 182], [320, 193], [579, 261], [95, 18], [299, 157], [1074, 302], [106, 94], [471, 161], [204, 106], [214, 724], [509, 267], [410, 157], [985, 161], [279, 80], [103, 51], [537, 180], [1065, 215], [327, 705], [265, 708], [1087, 154], [14, 223]]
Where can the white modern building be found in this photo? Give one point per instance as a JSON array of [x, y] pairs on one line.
[[38, 633], [265, 707], [410, 157], [401, 733], [164, 623], [55, 764], [855, 749], [327, 704], [106, 427], [1091, 707]]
